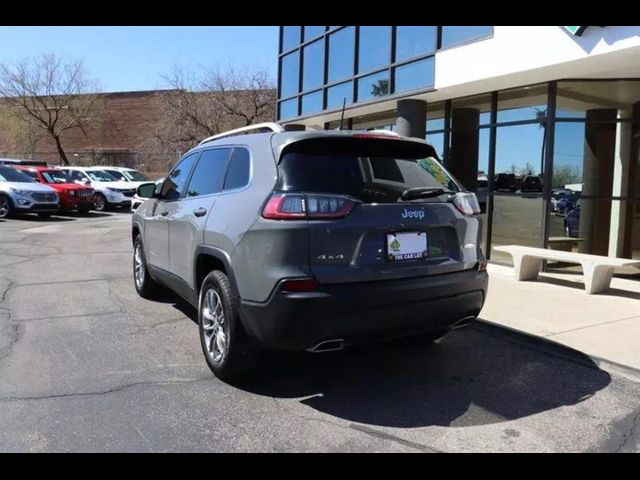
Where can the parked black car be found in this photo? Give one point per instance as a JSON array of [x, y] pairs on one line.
[[505, 182], [531, 183]]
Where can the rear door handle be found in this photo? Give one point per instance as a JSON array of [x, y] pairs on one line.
[[200, 212], [164, 213]]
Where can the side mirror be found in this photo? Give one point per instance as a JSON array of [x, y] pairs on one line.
[[146, 190]]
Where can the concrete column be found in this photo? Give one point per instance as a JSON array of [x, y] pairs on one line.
[[620, 187], [411, 120], [465, 141], [597, 176]]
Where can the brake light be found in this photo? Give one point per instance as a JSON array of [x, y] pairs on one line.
[[299, 285], [386, 136], [467, 203], [282, 206]]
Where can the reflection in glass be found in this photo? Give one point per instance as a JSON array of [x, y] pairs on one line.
[[312, 102], [568, 156], [415, 75], [375, 48], [341, 54], [414, 41], [524, 103], [372, 86], [519, 152], [516, 221], [337, 94], [289, 74], [290, 38], [456, 35], [437, 141], [288, 109], [313, 69], [311, 32]]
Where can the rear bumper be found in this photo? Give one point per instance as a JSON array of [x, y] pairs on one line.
[[363, 312]]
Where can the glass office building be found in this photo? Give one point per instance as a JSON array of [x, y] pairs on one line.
[[542, 122]]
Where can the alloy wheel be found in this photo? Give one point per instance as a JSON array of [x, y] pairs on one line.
[[214, 327]]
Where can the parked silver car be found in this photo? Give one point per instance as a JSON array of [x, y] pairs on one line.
[[19, 194], [310, 241]]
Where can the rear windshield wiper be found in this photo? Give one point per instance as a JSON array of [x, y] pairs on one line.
[[423, 192]]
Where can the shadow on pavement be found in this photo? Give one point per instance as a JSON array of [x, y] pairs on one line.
[[35, 218], [473, 376], [615, 292], [469, 378], [72, 215]]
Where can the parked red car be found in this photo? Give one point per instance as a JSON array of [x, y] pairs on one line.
[[72, 196]]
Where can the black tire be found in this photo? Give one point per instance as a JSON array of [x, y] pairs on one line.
[[44, 215], [101, 202], [6, 207], [146, 286], [240, 356]]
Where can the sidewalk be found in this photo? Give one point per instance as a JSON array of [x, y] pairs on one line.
[[606, 327]]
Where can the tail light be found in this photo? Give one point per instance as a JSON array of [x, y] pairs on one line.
[[283, 206], [467, 203]]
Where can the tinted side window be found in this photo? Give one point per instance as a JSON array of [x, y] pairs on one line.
[[209, 173], [117, 174], [174, 186], [239, 168]]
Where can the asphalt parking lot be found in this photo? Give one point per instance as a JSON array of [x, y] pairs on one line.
[[87, 365]]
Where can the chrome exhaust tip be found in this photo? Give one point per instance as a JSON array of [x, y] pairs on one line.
[[328, 346]]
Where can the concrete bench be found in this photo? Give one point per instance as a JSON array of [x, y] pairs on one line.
[[597, 270]]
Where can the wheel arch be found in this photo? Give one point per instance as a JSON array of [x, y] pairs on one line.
[[210, 258]]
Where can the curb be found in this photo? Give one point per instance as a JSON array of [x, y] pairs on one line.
[[553, 348]]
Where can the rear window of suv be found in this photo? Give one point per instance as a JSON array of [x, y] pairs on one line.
[[370, 170]]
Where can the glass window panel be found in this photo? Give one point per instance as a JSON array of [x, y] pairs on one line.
[[480, 102], [290, 38], [372, 86], [437, 141], [516, 221], [312, 102], [208, 175], [338, 93], [455, 35], [239, 169], [519, 155], [375, 48], [414, 41], [289, 74], [312, 32], [289, 109], [415, 75], [313, 68], [523, 103], [341, 54]]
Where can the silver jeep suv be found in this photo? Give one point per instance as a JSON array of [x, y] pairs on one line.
[[310, 240]]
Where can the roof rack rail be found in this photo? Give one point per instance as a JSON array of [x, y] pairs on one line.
[[259, 127]]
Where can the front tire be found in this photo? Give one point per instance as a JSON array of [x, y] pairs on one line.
[[226, 346], [101, 202], [6, 208], [146, 286]]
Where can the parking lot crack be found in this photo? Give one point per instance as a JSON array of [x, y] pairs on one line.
[[117, 389]]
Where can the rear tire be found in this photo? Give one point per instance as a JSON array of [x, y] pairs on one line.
[[146, 286], [226, 346], [6, 207]]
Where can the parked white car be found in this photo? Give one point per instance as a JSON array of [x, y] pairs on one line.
[[109, 191], [126, 174], [19, 194], [136, 201]]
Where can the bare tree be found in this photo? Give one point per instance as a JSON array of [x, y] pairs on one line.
[[199, 105], [50, 94]]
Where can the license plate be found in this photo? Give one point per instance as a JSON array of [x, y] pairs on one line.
[[406, 246]]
